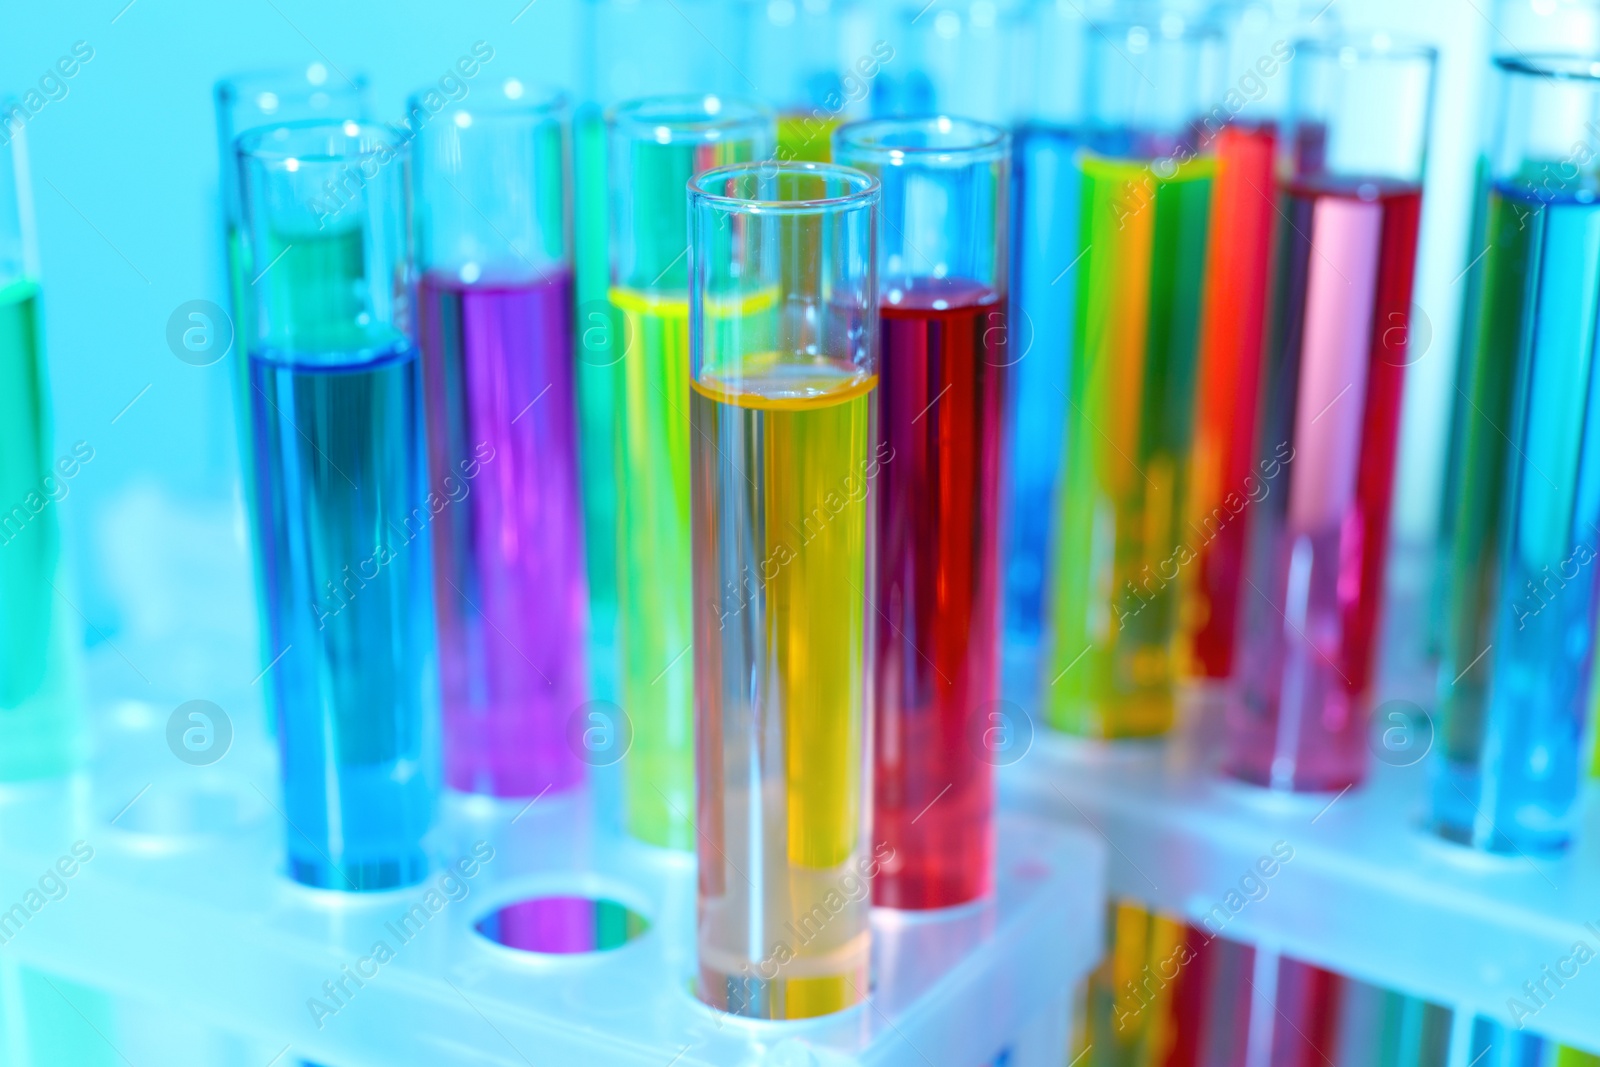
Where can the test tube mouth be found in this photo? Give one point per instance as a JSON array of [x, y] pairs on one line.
[[690, 118], [769, 188], [1137, 34], [1557, 66], [288, 145], [513, 99], [287, 84], [935, 140], [1351, 49]]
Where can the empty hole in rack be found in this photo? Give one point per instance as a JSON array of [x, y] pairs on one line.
[[562, 925], [203, 810]]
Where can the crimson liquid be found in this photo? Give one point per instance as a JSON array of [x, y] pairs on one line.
[[936, 602]]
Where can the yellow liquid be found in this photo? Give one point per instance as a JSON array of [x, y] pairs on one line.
[[781, 468]]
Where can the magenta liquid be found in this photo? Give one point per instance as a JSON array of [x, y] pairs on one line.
[[508, 538], [1332, 389]]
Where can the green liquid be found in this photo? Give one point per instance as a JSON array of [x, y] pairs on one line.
[[654, 593], [39, 697], [1110, 667], [1475, 514]]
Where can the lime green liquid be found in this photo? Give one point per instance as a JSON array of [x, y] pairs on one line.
[[1109, 668], [40, 704], [655, 609]]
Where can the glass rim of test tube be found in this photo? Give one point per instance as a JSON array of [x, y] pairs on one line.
[[1563, 66], [864, 186], [513, 98], [362, 140], [677, 118], [239, 85], [889, 141], [1351, 47]]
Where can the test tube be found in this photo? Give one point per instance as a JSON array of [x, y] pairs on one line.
[[1514, 680], [345, 514], [495, 323], [246, 102], [819, 60], [1045, 207], [1328, 428], [942, 299], [784, 392], [630, 48], [1118, 541], [1241, 127], [967, 57], [41, 698], [656, 145]]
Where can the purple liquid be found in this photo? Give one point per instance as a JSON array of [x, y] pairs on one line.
[[508, 540]]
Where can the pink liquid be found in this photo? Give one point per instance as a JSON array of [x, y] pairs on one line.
[[1331, 391], [936, 598], [508, 539]]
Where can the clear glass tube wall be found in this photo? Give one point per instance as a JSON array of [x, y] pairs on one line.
[[345, 513], [656, 145], [784, 336], [1520, 591], [942, 297], [495, 324], [1118, 546], [41, 700], [1331, 390]]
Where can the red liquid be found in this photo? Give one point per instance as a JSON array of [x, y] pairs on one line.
[[1330, 419], [936, 596], [1306, 1029], [1243, 216]]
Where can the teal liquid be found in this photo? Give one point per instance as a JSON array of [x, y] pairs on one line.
[[40, 732], [598, 371]]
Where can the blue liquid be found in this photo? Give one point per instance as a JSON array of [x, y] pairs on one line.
[[1046, 205], [1514, 680], [344, 522]]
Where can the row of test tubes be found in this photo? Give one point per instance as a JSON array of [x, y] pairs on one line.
[[1123, 386]]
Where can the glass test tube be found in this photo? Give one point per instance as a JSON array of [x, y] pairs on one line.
[[783, 402], [818, 61], [247, 102], [966, 57], [1241, 128], [1514, 679], [631, 48], [656, 145], [41, 697], [1118, 542], [1045, 208], [345, 514], [495, 322], [1329, 419], [942, 298]]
